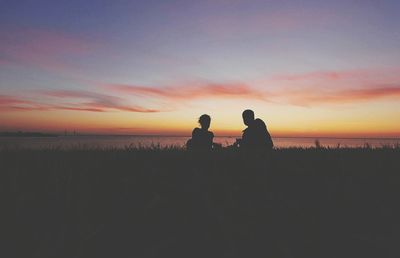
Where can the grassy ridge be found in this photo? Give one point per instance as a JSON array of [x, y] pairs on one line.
[[171, 203]]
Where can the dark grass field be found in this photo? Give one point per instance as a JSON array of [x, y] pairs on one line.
[[171, 203]]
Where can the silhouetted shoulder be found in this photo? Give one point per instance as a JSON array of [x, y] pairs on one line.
[[196, 131], [259, 123], [201, 139]]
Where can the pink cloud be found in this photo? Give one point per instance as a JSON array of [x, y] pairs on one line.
[[4, 62], [347, 78], [11, 103], [192, 91], [45, 49], [9, 100], [372, 93], [320, 75], [318, 97], [75, 101], [97, 102], [310, 89], [335, 87], [351, 95], [313, 92], [79, 109], [79, 100]]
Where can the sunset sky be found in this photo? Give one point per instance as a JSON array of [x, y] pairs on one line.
[[307, 68]]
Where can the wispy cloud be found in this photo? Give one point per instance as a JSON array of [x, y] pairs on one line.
[[9, 100], [314, 89], [372, 93], [321, 75], [11, 103], [45, 49], [4, 62], [312, 97], [190, 91], [71, 100], [80, 100], [363, 76], [310, 89], [92, 101], [336, 87]]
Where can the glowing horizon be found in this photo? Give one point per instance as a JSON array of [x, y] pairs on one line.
[[306, 68]]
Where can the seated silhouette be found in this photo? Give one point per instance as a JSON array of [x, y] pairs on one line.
[[202, 139], [256, 135]]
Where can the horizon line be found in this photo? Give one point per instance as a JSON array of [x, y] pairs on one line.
[[177, 135]]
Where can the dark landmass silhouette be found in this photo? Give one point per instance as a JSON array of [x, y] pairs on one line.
[[315, 202], [26, 134]]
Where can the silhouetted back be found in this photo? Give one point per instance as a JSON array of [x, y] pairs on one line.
[[256, 136], [201, 139]]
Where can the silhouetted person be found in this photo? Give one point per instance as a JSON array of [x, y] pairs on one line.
[[256, 135], [202, 139]]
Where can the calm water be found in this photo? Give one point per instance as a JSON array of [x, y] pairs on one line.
[[146, 141]]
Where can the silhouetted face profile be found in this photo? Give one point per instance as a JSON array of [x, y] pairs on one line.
[[204, 121], [248, 116]]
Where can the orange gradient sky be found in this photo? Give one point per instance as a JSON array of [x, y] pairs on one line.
[[141, 68]]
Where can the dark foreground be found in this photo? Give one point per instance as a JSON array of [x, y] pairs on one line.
[[172, 203]]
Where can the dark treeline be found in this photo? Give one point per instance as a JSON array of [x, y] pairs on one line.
[[175, 203]]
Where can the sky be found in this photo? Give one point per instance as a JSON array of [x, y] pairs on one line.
[[307, 68]]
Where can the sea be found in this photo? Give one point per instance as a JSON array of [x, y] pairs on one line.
[[132, 141]]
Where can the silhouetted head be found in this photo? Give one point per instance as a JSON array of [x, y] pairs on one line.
[[248, 116], [204, 121]]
